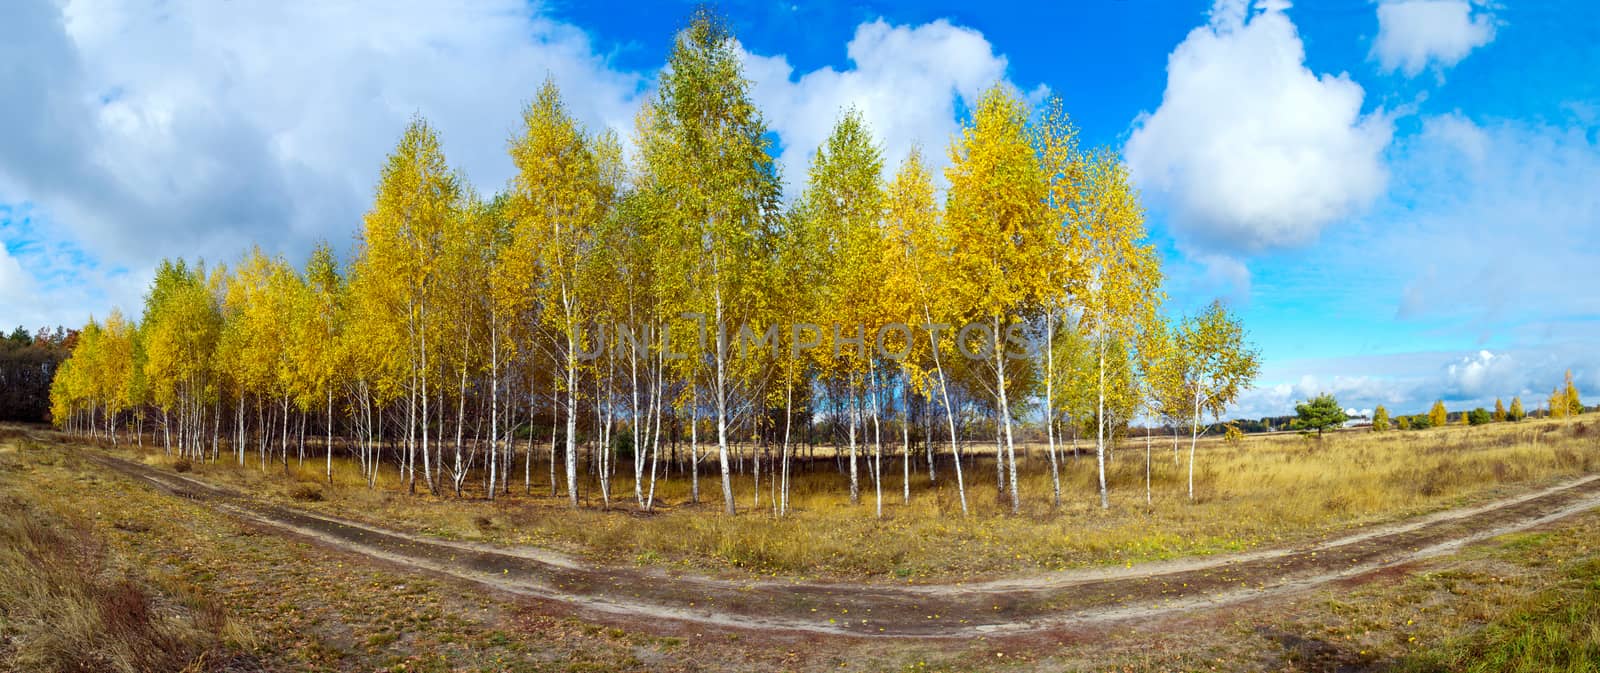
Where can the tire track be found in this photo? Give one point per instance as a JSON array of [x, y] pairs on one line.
[[1000, 607]]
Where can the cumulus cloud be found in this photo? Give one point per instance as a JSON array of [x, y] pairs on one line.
[[1412, 34], [202, 127], [1278, 399], [1481, 373], [45, 281], [906, 81], [15, 284], [1479, 378], [1412, 381], [1249, 148]]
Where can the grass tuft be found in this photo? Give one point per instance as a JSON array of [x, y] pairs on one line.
[[66, 607]]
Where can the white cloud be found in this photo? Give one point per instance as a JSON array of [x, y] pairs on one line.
[[906, 81], [1412, 381], [1249, 149], [1412, 34], [1505, 212], [1480, 374], [1487, 239], [1278, 399], [15, 284], [46, 282], [199, 128]]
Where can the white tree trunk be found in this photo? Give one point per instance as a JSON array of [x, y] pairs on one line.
[[854, 409], [905, 440], [1100, 424], [788, 422], [1194, 438], [1005, 414], [1049, 411], [877, 437], [329, 438], [950, 421], [722, 405], [694, 441]]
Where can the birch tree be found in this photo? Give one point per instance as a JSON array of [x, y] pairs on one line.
[[1063, 270], [556, 191], [843, 201], [1222, 365], [1123, 276], [996, 209], [917, 224], [402, 239], [713, 164]]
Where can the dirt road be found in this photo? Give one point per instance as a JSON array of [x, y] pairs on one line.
[[1017, 606]]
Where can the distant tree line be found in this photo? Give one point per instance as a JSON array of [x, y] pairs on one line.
[[28, 363], [1564, 402]]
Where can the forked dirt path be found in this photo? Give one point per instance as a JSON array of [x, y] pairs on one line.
[[1000, 607]]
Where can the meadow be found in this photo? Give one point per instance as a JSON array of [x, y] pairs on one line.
[[103, 573], [1263, 491]]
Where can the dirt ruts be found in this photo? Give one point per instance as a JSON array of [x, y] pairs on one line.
[[1012, 606]]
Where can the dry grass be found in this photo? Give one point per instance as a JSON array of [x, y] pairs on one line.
[[67, 604], [1522, 602], [1265, 490], [294, 606]]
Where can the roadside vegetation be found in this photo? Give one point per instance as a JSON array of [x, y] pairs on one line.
[[654, 331], [70, 603], [1523, 602], [115, 577], [1259, 491]]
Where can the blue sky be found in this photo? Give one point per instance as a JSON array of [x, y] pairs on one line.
[[1399, 197]]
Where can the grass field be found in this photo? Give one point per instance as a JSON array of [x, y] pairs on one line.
[[1265, 490], [99, 573]]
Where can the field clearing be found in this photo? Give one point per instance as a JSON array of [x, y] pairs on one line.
[[1262, 492], [1519, 602]]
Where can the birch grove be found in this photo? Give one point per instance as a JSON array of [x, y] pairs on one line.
[[633, 309]]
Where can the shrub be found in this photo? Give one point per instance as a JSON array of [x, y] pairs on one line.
[[1479, 416], [182, 465], [306, 493]]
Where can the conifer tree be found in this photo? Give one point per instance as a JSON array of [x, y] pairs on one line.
[[1438, 416], [1570, 398]]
